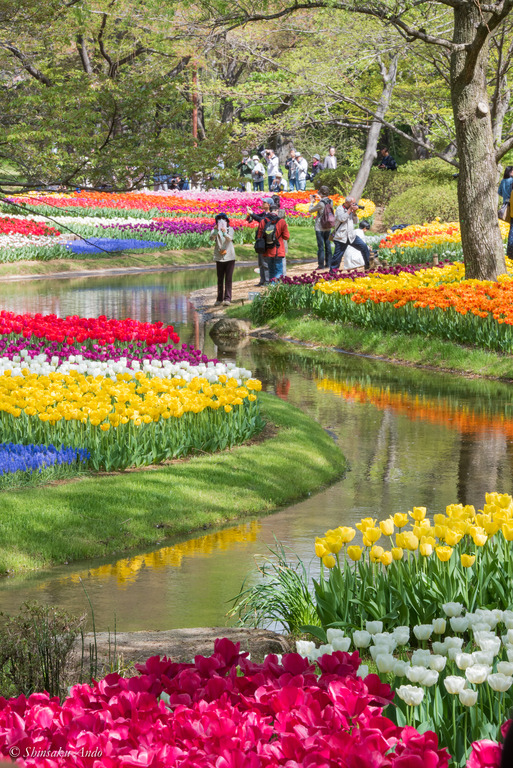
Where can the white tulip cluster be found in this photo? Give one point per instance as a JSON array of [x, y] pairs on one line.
[[17, 240], [163, 369], [424, 667]]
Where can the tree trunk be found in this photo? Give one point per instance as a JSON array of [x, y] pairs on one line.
[[483, 249], [389, 78]]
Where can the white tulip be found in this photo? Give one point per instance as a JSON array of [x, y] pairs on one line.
[[421, 657], [304, 648], [477, 674], [331, 634], [505, 668], [453, 642], [341, 643], [439, 626], [509, 654], [401, 635], [454, 684], [385, 662], [410, 694], [468, 697], [375, 650], [464, 660], [483, 657], [400, 668], [430, 678], [362, 671], [500, 682], [507, 618], [416, 674], [439, 648], [423, 631], [325, 650], [361, 638], [492, 645], [374, 627], [510, 636], [452, 609], [459, 623], [437, 662]]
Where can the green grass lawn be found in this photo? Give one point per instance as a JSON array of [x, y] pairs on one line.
[[105, 515], [396, 347]]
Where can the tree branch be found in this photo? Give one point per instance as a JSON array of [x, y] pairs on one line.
[[84, 56], [36, 73]]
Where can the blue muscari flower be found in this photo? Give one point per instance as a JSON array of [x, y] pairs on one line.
[[30, 458], [109, 244]]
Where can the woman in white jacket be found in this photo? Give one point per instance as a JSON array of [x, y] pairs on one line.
[[224, 257], [301, 171]]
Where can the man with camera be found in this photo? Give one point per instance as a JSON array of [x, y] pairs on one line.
[[273, 165], [344, 234]]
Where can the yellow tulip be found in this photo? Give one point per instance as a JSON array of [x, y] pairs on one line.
[[387, 527], [354, 552], [452, 537], [320, 549], [397, 553], [375, 553], [507, 530], [372, 534], [333, 544], [346, 534], [419, 513], [366, 522], [400, 519], [444, 553], [386, 558], [467, 561], [329, 561], [426, 550], [480, 539], [411, 542]]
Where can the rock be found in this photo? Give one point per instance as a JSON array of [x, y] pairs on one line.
[[230, 327]]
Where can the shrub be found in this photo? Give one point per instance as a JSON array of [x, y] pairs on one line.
[[34, 648], [423, 203], [341, 178]]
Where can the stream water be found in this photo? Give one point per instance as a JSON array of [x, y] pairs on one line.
[[411, 438]]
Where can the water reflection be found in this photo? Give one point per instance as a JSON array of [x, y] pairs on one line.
[[412, 437]]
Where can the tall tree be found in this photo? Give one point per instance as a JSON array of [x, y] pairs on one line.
[[473, 24]]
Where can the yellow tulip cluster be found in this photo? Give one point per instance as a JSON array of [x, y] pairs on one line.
[[363, 213], [460, 529], [429, 235], [101, 401]]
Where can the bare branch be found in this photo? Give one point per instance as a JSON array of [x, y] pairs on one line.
[[30, 68]]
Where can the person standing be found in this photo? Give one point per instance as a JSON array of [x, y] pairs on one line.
[[323, 224], [330, 161], [273, 166], [385, 161], [301, 171], [316, 166], [505, 188], [281, 215], [245, 167], [262, 261], [257, 174], [290, 165], [224, 257], [344, 234], [275, 232]]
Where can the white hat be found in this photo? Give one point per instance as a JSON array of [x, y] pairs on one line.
[[278, 173], [255, 157], [298, 153]]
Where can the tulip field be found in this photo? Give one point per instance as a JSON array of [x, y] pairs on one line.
[[106, 222], [115, 393]]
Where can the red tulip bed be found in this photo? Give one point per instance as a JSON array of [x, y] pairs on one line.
[[223, 711]]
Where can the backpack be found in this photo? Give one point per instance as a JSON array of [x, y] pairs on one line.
[[328, 216], [270, 235]]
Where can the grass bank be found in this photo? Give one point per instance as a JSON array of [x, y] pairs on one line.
[[111, 514], [302, 245], [398, 347]]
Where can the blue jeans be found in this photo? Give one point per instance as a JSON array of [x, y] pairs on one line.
[[258, 186], [323, 248], [340, 249], [509, 248], [301, 185], [292, 185], [270, 180], [275, 267]]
